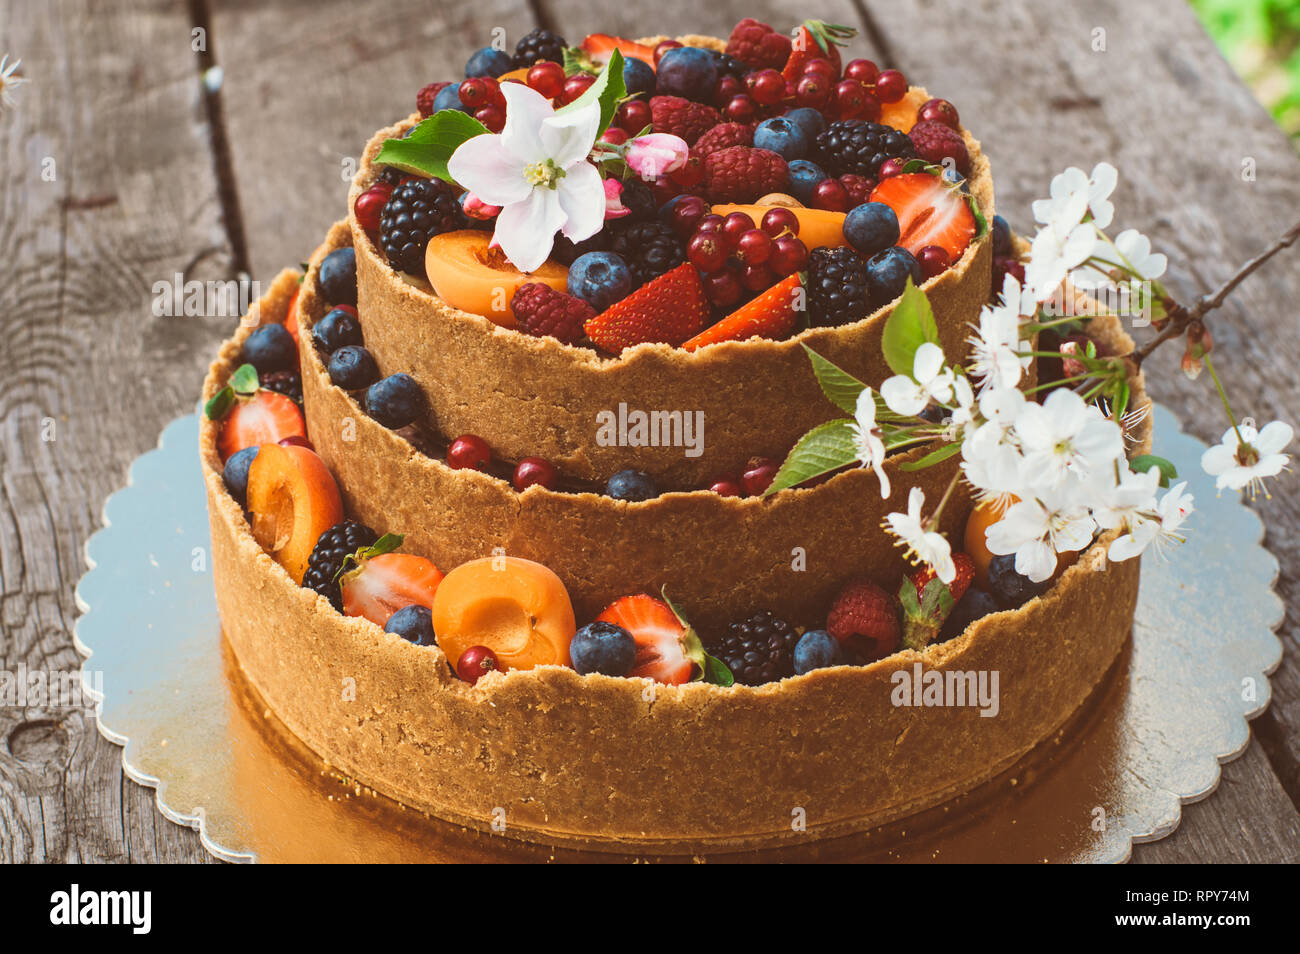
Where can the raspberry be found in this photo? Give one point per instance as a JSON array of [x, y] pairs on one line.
[[758, 45], [681, 117], [965, 573], [541, 310], [326, 559], [743, 174], [865, 621], [858, 187], [936, 142], [723, 136], [425, 97], [758, 650]]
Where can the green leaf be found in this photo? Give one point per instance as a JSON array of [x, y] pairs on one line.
[[608, 90], [244, 380], [936, 601], [932, 458], [692, 647], [427, 149], [825, 448], [716, 672], [840, 387], [1168, 472], [219, 404], [908, 326], [385, 544], [577, 61], [242, 384]]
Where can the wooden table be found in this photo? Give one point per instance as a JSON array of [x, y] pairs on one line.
[[157, 173]]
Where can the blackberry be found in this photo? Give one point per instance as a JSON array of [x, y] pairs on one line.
[[640, 200], [288, 383], [418, 210], [857, 147], [838, 288], [539, 45], [649, 248], [759, 649], [566, 251], [333, 546], [392, 175]]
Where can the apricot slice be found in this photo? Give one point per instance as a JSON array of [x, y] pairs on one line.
[[902, 114], [293, 500], [468, 274], [519, 76], [517, 608], [816, 226]]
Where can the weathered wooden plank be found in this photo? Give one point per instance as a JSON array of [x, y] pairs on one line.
[[307, 84], [90, 375]]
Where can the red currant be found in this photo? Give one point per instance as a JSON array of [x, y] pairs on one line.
[[850, 99], [475, 93], [616, 135], [476, 662], [831, 196], [891, 86], [296, 440], [789, 255], [757, 278], [933, 260], [938, 111], [754, 247], [734, 226], [634, 116], [759, 474], [727, 87], [723, 288], [892, 167], [741, 109], [664, 47], [820, 66], [371, 203], [547, 78], [534, 470], [707, 252], [687, 213], [575, 86], [778, 219], [493, 117], [712, 222], [470, 451], [864, 71], [766, 86], [812, 92], [725, 485]]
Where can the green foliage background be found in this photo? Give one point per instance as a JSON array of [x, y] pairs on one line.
[[1261, 38]]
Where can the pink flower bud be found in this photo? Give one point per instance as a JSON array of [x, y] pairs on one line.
[[476, 208], [614, 208], [656, 154]]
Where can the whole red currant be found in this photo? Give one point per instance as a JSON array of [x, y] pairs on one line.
[[712, 222], [296, 440], [812, 91], [725, 485], [723, 288], [938, 111], [757, 278], [370, 204], [864, 71], [687, 213], [766, 86], [707, 251], [758, 475], [820, 66], [575, 86], [476, 92], [546, 78], [891, 86], [475, 663], [754, 247], [892, 167], [831, 196], [493, 117], [790, 255], [778, 219], [933, 260], [663, 47], [634, 116], [470, 451], [741, 108], [850, 99], [727, 87], [734, 226], [534, 470], [616, 135]]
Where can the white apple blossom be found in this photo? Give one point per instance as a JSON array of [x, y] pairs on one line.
[[994, 359], [8, 81], [1128, 499], [1065, 436], [927, 546], [536, 169], [930, 380], [1130, 251], [963, 409], [1039, 528], [1073, 194], [1054, 253], [1174, 508], [867, 438], [1246, 456], [993, 467]]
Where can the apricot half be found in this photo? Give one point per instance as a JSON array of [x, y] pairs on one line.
[[816, 226], [902, 114], [468, 274], [517, 608], [293, 500]]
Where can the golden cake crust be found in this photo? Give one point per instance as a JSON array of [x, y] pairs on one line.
[[582, 760]]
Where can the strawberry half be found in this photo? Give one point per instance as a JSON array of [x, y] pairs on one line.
[[377, 585], [772, 314], [930, 212], [267, 417], [922, 575], [666, 650], [599, 46], [816, 39], [669, 309]]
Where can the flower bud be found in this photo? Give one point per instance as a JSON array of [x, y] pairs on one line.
[[656, 154], [614, 208]]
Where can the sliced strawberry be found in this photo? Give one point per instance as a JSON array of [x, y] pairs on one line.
[[930, 212], [666, 650], [265, 418], [772, 314], [816, 40], [671, 309], [291, 316], [599, 46], [383, 584]]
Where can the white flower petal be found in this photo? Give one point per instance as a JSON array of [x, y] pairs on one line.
[[486, 168], [526, 230], [568, 137], [526, 111], [582, 198], [1274, 437], [902, 396]]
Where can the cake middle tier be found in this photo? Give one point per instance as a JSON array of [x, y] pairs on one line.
[[592, 415]]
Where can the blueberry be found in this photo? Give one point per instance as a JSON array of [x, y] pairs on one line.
[[779, 135], [270, 348], [816, 649], [974, 604], [448, 98], [352, 368], [336, 329], [687, 71], [1009, 588], [394, 401], [235, 473], [810, 120], [631, 485], [603, 648], [1001, 238], [600, 279], [488, 61], [871, 227], [638, 76], [887, 274], [413, 623], [338, 277], [804, 176]]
